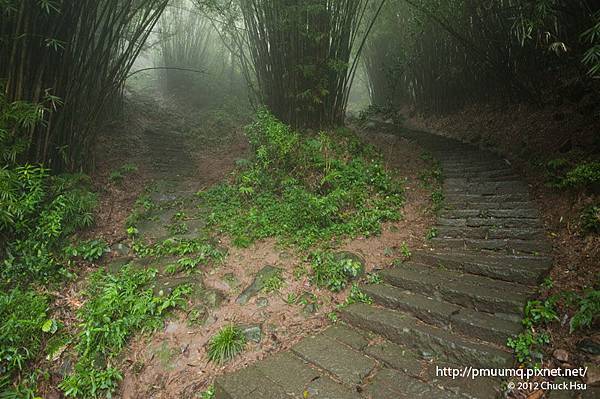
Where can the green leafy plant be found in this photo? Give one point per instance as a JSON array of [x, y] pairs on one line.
[[590, 219], [333, 317], [437, 200], [431, 233], [548, 283], [588, 310], [37, 213], [273, 283], [332, 271], [209, 393], [529, 344], [118, 175], [23, 323], [89, 250], [357, 296], [226, 344], [584, 174], [405, 251], [374, 278], [118, 305]]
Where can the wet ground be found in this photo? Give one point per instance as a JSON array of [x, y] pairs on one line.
[[173, 165]]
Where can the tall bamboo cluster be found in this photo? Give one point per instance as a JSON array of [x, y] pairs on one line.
[[80, 51], [304, 54], [439, 54]]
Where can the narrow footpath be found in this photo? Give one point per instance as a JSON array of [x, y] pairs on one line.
[[453, 305]]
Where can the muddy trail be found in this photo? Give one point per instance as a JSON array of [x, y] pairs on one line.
[[174, 164]]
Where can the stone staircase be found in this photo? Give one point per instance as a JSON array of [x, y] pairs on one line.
[[454, 304]]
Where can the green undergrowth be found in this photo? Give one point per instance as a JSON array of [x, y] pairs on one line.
[[582, 310], [333, 272], [564, 174], [23, 318], [579, 177], [38, 212], [40, 216], [118, 305], [226, 344], [303, 189]]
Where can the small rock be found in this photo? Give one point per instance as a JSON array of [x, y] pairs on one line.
[[253, 333], [212, 298], [310, 308], [120, 249], [231, 280], [561, 355], [210, 320], [116, 265], [262, 302], [257, 284], [593, 374]]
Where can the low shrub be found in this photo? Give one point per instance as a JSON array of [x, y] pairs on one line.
[[303, 189]]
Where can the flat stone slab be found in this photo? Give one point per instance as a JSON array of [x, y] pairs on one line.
[[300, 379], [257, 284], [346, 335], [392, 384], [346, 364], [396, 357], [248, 383]]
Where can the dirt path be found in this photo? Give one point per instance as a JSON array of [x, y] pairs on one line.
[[172, 363]]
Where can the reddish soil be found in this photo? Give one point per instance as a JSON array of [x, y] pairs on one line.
[[173, 363]]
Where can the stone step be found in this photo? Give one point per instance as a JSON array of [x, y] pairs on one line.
[[466, 197], [516, 213], [485, 187], [495, 163], [404, 360], [494, 244], [462, 181], [520, 269], [519, 233], [283, 375], [393, 384], [429, 341], [471, 323], [467, 290], [475, 174], [482, 205], [346, 364], [489, 222], [471, 168]]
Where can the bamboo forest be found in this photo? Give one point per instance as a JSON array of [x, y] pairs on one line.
[[328, 199]]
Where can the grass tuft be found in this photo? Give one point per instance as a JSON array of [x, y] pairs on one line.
[[226, 344]]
